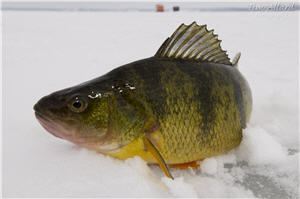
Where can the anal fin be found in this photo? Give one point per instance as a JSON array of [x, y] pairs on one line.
[[193, 165], [161, 162]]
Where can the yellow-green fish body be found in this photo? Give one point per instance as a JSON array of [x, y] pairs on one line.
[[196, 110], [186, 103]]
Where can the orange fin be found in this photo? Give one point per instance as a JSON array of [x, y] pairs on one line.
[[193, 165]]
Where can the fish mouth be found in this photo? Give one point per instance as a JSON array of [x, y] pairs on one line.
[[101, 144], [49, 125], [67, 133]]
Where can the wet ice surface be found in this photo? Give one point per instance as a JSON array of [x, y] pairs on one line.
[[47, 51]]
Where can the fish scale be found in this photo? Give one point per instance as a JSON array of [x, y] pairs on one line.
[[176, 122]]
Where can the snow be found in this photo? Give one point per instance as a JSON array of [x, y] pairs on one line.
[[255, 141], [209, 166], [47, 51], [179, 188]]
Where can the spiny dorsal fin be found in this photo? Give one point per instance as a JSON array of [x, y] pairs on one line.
[[236, 59], [194, 42]]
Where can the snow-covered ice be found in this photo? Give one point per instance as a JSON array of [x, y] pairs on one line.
[[47, 51]]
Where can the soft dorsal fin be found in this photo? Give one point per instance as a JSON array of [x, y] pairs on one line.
[[236, 59], [194, 42]]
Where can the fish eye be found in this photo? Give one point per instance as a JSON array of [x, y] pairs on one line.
[[77, 105]]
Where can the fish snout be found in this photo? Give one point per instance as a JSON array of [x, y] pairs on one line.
[[50, 102], [44, 113]]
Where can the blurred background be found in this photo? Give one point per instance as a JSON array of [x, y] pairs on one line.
[[150, 6], [50, 45]]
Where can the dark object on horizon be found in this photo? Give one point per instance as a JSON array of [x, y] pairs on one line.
[[159, 8], [176, 8]]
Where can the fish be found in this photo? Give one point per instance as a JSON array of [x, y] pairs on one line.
[[186, 103]]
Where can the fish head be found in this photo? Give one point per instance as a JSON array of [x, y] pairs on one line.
[[79, 115]]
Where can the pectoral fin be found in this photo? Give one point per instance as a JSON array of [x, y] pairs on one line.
[[151, 148]]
